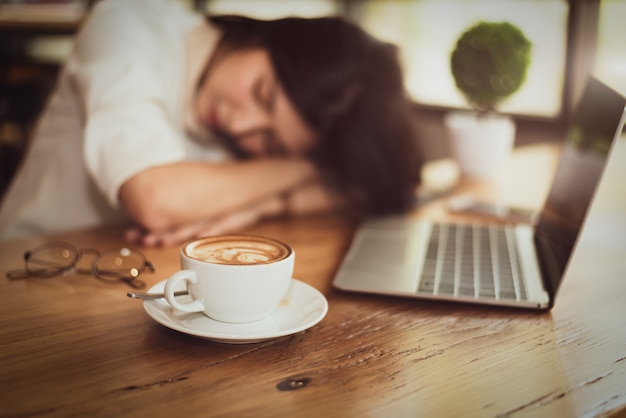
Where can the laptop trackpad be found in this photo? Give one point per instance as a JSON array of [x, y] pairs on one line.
[[380, 261]]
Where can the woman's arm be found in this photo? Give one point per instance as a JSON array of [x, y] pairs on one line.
[[164, 197], [231, 222], [307, 198], [311, 197]]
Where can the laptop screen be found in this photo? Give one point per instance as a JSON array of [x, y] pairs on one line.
[[596, 123]]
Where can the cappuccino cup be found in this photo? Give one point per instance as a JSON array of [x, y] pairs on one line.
[[232, 278]]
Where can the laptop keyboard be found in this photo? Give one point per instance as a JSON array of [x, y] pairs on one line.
[[473, 261]]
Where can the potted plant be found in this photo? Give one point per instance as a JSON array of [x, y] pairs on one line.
[[489, 63]]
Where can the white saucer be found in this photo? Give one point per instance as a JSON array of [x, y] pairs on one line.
[[302, 307]]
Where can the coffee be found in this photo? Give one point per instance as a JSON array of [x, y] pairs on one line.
[[237, 250], [232, 278]]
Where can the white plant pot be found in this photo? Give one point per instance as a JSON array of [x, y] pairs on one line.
[[480, 144]]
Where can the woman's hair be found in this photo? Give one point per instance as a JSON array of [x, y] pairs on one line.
[[348, 88]]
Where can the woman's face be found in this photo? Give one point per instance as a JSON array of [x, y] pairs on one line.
[[241, 97]]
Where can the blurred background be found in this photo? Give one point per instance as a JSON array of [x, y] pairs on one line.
[[570, 39]]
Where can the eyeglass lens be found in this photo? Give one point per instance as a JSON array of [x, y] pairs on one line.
[[121, 265], [51, 259]]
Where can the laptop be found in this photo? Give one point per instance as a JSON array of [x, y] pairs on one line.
[[518, 265]]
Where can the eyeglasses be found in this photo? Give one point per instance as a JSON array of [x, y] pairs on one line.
[[56, 258]]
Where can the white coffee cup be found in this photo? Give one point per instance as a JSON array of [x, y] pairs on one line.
[[232, 278]]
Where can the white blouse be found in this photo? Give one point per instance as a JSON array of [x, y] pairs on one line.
[[121, 105]]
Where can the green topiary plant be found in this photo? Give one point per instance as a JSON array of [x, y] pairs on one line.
[[489, 63]]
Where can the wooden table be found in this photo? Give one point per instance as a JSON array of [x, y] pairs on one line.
[[73, 346]]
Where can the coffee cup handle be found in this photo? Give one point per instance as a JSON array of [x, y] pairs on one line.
[[188, 276]]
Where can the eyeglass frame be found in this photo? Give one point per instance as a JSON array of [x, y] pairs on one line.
[[131, 280]]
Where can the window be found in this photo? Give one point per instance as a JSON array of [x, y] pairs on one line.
[[427, 30], [268, 9], [611, 54]]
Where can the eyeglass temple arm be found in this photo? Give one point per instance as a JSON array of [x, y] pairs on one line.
[[23, 273], [18, 274]]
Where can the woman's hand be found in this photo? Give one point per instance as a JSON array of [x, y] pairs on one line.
[[308, 197], [234, 221]]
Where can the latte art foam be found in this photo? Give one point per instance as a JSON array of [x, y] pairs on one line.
[[236, 253], [238, 250]]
